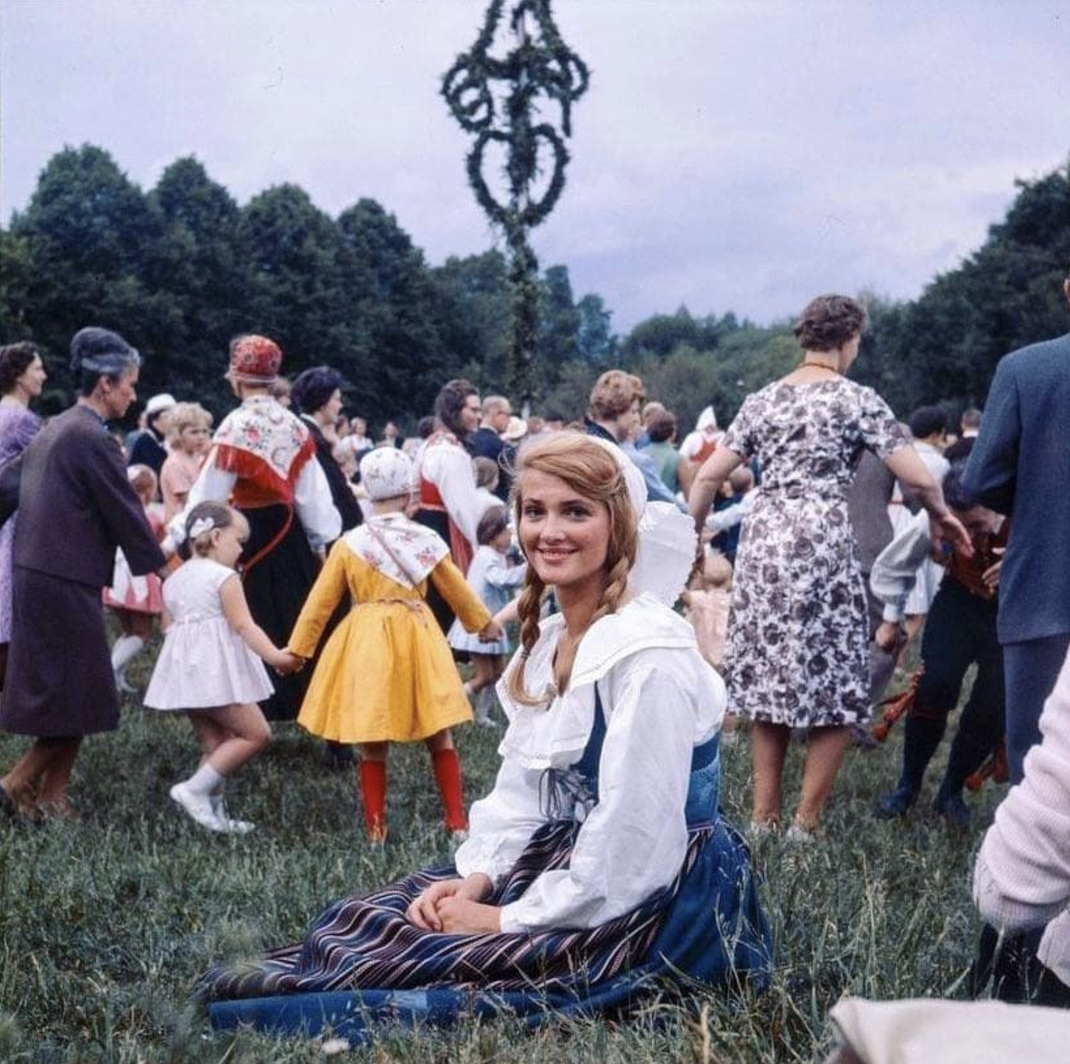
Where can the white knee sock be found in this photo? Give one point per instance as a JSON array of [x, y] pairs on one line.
[[124, 650], [483, 703], [205, 780]]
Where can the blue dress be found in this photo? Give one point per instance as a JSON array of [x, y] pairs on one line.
[[364, 964], [494, 581]]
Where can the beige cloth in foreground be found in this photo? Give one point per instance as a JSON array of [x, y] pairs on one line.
[[922, 1031]]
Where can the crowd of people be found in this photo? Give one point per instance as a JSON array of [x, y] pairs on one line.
[[795, 553]]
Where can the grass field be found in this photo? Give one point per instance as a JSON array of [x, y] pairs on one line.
[[105, 924]]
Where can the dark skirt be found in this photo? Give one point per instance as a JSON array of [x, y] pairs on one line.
[[363, 962], [278, 571], [59, 679]]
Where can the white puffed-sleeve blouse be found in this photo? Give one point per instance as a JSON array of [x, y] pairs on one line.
[[660, 699]]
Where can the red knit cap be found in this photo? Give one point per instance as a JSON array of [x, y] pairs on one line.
[[254, 360]]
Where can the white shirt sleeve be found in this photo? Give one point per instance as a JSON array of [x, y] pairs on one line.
[[634, 840], [722, 520], [689, 448], [1022, 875], [501, 825], [499, 574], [895, 569], [312, 497], [212, 485], [315, 508], [449, 467]]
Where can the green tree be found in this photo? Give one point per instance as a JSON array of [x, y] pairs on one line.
[[293, 253], [660, 335], [89, 231], [569, 396], [594, 335], [474, 307], [685, 381], [397, 359], [1005, 295], [559, 324], [199, 266], [16, 279]]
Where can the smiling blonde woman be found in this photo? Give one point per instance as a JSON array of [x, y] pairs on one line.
[[598, 867]]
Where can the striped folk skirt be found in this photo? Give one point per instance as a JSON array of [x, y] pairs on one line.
[[363, 962]]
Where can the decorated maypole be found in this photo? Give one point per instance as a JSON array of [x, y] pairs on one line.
[[501, 100]]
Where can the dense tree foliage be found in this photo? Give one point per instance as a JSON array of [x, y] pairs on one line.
[[182, 268], [944, 346]]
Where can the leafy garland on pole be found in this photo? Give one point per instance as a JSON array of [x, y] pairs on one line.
[[539, 66]]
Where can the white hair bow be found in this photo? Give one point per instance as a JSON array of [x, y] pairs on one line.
[[200, 526]]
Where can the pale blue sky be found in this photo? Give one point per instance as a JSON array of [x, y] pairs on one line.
[[736, 155]]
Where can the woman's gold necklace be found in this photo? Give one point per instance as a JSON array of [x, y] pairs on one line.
[[823, 365]]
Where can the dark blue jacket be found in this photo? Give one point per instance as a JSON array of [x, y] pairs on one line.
[[1020, 466]]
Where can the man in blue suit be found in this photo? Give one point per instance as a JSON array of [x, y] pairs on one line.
[[1020, 466]]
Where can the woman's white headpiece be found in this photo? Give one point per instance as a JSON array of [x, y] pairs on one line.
[[666, 551]]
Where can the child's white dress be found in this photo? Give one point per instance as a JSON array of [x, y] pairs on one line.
[[203, 664]]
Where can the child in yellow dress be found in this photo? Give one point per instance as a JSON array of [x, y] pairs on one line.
[[386, 673]]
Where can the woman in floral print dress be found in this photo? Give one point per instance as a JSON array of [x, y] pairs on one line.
[[797, 652]]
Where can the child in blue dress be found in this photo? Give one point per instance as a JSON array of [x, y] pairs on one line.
[[493, 579]]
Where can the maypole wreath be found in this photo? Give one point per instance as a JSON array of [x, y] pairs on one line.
[[498, 100]]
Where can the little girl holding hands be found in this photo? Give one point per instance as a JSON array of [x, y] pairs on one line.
[[386, 674], [492, 578], [210, 662]]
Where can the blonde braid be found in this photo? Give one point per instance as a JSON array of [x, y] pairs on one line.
[[615, 586], [529, 606]]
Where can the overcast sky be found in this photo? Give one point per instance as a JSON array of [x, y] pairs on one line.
[[730, 154]]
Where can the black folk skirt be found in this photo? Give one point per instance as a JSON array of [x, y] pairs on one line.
[[278, 571]]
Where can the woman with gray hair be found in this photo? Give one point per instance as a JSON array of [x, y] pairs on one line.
[[75, 507]]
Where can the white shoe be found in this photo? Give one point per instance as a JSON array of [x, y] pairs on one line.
[[123, 685], [483, 702], [198, 806], [458, 836], [235, 827], [800, 835]]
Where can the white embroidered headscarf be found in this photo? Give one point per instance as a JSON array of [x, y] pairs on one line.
[[387, 473], [400, 549]]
